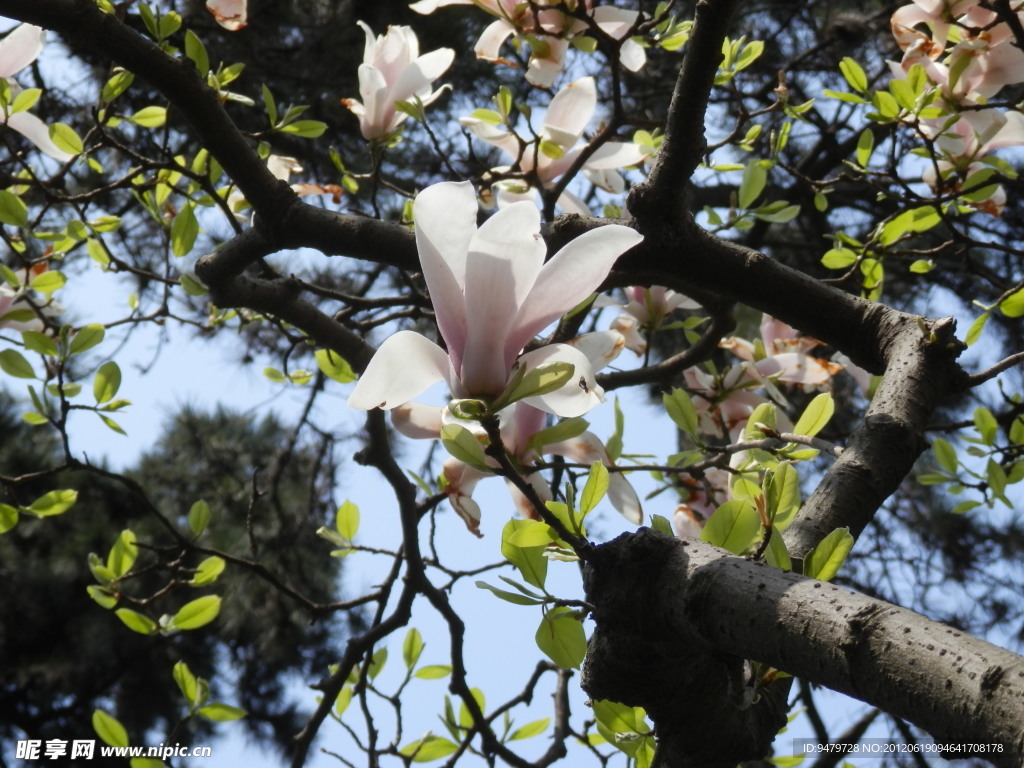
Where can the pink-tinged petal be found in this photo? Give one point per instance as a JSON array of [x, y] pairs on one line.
[[282, 166], [418, 421], [578, 395], [628, 326], [688, 524], [427, 7], [542, 72], [461, 481], [742, 348], [230, 14], [796, 368], [904, 22], [614, 22], [569, 113], [36, 131], [519, 423], [1010, 134], [572, 275], [505, 256], [609, 180], [404, 366], [20, 48], [600, 347], [540, 487], [488, 47], [445, 216]]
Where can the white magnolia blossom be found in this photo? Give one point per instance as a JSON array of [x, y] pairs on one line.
[[18, 50], [492, 293], [393, 70], [550, 30], [567, 117]]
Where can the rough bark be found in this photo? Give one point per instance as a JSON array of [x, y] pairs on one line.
[[675, 620]]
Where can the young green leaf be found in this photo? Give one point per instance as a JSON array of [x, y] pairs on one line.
[[109, 729], [561, 637], [197, 613], [823, 562], [816, 415], [412, 647], [733, 526], [596, 487], [107, 382]]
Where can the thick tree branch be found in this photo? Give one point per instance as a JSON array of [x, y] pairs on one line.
[[700, 612]]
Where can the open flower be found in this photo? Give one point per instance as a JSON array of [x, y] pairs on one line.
[[785, 358], [558, 147], [19, 49], [393, 70], [492, 293], [549, 31]]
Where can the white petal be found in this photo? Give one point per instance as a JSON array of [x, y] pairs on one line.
[[418, 421], [426, 7], [20, 48], [416, 78], [230, 14], [617, 154], [404, 366], [632, 55], [572, 274], [569, 203], [445, 216], [505, 257], [488, 47], [569, 112], [600, 347], [462, 480], [36, 131], [580, 393]]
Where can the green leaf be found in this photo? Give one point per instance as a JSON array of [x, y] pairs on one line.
[[136, 621], [541, 380], [198, 517], [221, 713], [197, 613], [13, 364], [511, 597], [412, 647], [854, 74], [986, 425], [974, 332], [865, 145], [334, 366], [681, 410], [533, 533], [662, 525], [945, 454], [184, 231], [66, 139], [53, 503], [343, 700], [13, 211], [26, 100], [429, 748], [433, 672], [530, 561], [48, 282], [150, 117], [192, 286], [755, 176], [733, 526], [271, 106], [307, 129], [8, 517], [346, 521], [103, 596], [119, 82], [107, 382], [595, 488], [823, 562], [87, 338], [816, 415], [187, 683], [838, 258], [39, 342], [377, 662], [208, 571], [535, 728], [782, 495], [196, 51], [465, 718], [1013, 305], [122, 554], [561, 637], [566, 429], [109, 729], [464, 446], [776, 554]]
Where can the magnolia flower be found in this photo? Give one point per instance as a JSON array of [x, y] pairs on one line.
[[230, 14], [550, 30], [282, 167], [520, 423], [785, 356], [567, 116], [393, 70], [20, 48], [492, 293]]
